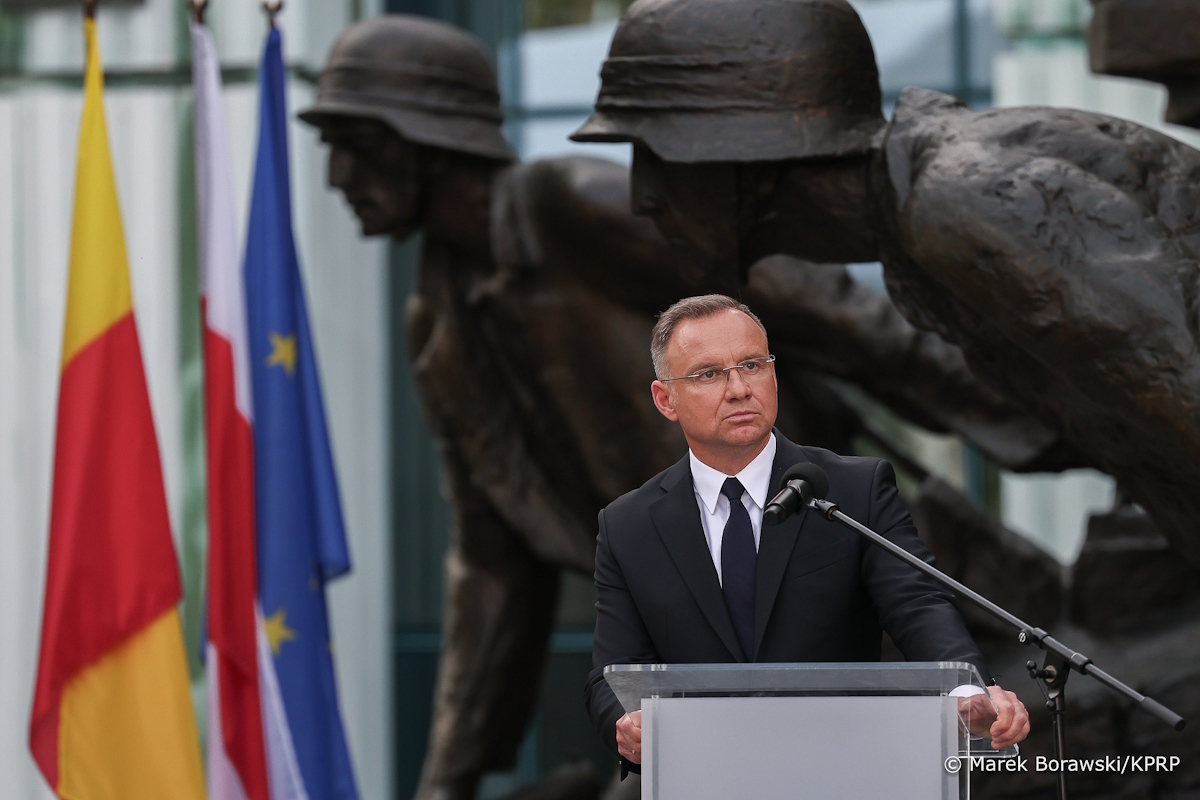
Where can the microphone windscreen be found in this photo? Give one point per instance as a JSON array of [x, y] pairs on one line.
[[808, 471]]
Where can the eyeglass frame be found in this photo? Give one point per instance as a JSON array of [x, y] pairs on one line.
[[770, 359]]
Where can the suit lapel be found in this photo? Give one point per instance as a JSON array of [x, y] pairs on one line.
[[677, 519], [775, 543]]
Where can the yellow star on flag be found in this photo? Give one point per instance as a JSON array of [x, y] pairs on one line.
[[283, 353], [275, 626]]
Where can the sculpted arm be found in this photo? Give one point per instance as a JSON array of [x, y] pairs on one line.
[[817, 315], [1062, 263], [1080, 296]]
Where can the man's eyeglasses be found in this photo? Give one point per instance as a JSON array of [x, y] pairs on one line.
[[751, 369]]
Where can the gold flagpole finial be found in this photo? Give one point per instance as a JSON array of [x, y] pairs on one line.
[[272, 7]]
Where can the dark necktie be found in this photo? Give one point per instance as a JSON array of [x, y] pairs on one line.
[[739, 566]]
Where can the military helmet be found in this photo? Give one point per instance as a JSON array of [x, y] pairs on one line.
[[432, 83], [739, 80]]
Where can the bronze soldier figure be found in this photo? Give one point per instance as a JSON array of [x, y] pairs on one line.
[[1057, 248], [502, 355]]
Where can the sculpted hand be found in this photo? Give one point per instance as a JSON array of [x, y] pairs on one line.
[[629, 736], [1007, 724]]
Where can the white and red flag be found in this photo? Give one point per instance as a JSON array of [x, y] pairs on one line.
[[237, 754], [274, 519]]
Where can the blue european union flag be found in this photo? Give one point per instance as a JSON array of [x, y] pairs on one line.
[[301, 541]]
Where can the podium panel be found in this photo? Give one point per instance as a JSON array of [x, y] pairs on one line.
[[828, 731], [772, 748]]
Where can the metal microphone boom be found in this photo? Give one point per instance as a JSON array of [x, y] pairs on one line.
[[1060, 659]]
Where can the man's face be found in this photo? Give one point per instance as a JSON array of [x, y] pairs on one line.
[[695, 209], [378, 172], [732, 412]]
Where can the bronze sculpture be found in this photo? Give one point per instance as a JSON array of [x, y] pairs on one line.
[[1057, 248], [529, 335]]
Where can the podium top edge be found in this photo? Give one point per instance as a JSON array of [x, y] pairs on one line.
[[633, 682], [821, 666]]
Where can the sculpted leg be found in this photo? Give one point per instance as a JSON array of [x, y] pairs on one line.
[[500, 605]]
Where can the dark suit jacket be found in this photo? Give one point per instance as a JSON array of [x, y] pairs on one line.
[[824, 593]]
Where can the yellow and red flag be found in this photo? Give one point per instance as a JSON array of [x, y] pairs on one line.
[[112, 716]]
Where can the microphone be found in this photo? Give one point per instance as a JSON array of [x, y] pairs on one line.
[[802, 482]]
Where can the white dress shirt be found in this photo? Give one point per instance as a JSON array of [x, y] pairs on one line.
[[755, 478]]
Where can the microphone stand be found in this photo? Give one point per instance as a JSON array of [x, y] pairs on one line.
[[1060, 659]]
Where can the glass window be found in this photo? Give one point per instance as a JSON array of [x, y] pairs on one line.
[[541, 14]]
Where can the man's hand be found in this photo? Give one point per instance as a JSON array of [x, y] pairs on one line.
[[1007, 724], [1012, 720], [629, 736]]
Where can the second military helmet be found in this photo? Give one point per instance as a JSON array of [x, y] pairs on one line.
[[432, 83], [739, 80]]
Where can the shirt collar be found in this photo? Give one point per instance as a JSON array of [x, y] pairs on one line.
[[755, 478]]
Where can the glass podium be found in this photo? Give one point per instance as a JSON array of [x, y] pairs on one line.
[[903, 730]]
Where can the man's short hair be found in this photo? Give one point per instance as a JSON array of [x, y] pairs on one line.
[[699, 307]]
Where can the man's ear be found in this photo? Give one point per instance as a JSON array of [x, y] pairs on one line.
[[664, 400]]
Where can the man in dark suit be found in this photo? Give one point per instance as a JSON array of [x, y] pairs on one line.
[[686, 573]]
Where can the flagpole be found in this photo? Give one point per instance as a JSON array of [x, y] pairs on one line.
[[89, 9], [272, 8]]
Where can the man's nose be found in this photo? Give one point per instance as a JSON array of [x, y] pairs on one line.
[[341, 167], [736, 386]]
